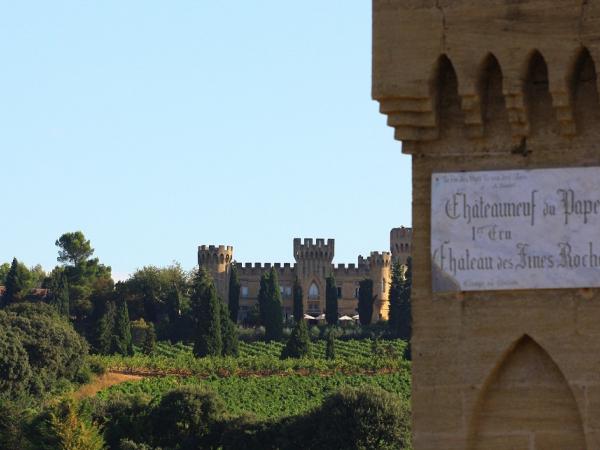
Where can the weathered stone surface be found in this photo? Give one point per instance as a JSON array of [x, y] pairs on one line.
[[472, 85]]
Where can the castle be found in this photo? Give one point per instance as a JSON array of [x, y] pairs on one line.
[[314, 263]]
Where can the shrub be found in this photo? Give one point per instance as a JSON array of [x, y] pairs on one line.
[[364, 418], [13, 417], [330, 347], [15, 371], [298, 345], [185, 418]]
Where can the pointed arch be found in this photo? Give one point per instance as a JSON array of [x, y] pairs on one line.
[[449, 114], [538, 101], [493, 106], [584, 92], [313, 291], [527, 402]]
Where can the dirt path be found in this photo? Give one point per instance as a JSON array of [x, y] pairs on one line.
[[104, 381]]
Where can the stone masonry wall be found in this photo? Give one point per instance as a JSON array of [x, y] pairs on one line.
[[495, 85]]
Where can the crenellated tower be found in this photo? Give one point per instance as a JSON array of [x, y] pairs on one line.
[[314, 264], [380, 267], [217, 260], [400, 244]]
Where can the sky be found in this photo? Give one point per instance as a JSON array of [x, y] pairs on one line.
[[158, 126]]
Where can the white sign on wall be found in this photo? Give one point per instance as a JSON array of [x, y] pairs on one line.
[[515, 229]]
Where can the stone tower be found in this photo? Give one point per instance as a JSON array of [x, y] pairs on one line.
[[380, 266], [400, 244], [480, 89], [313, 265], [217, 260]]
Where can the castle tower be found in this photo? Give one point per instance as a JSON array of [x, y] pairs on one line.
[[217, 260], [380, 272], [401, 244], [314, 264]]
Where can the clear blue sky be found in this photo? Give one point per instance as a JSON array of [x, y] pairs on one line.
[[156, 126]]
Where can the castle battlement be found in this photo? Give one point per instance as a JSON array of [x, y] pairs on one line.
[[380, 259], [349, 269], [319, 249], [247, 269], [215, 254]]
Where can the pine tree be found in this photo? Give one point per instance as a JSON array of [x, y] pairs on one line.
[[16, 282], [234, 294], [365, 301], [60, 293], [298, 301], [149, 344], [207, 316], [330, 347], [121, 340], [298, 345], [405, 315], [394, 298], [331, 301], [229, 333]]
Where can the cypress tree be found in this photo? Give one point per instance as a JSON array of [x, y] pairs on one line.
[[394, 298], [274, 316], [60, 294], [331, 301], [121, 339], [297, 299], [263, 298], [228, 333], [298, 345], [149, 344], [234, 294], [365, 301], [104, 328], [207, 316], [405, 314], [330, 347], [16, 281]]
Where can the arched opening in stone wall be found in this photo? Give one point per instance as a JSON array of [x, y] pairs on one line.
[[585, 93], [538, 101], [493, 105], [527, 403], [451, 119]]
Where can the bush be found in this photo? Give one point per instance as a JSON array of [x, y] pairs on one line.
[[298, 345], [185, 418], [15, 371], [13, 417], [365, 418]]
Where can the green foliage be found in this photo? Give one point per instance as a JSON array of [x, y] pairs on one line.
[[16, 283], [68, 431], [14, 416], [331, 301], [207, 316], [269, 302], [234, 294], [397, 280], [330, 347], [229, 335], [121, 342], [59, 289], [74, 248], [4, 269], [55, 351], [298, 301], [365, 301], [149, 344], [185, 418], [103, 333], [366, 418], [15, 371], [298, 345], [404, 307]]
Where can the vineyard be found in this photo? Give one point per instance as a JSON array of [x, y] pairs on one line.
[[260, 358], [269, 397]]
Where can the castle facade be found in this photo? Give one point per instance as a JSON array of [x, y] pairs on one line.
[[314, 263]]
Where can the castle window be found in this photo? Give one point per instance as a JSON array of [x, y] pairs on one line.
[[356, 292], [383, 285], [339, 290], [244, 291], [313, 291]]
